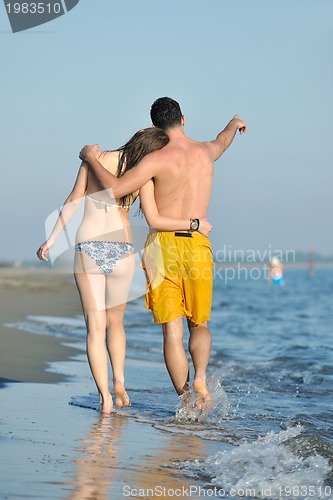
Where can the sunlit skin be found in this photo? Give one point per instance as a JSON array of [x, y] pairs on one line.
[[104, 298], [183, 174]]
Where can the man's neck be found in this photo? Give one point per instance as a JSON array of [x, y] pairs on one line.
[[175, 132]]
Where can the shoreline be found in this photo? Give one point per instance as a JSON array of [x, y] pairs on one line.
[[58, 450], [24, 356], [52, 449]]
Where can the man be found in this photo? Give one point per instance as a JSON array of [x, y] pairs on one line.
[[182, 173]]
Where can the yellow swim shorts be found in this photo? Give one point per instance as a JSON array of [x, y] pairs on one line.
[[179, 275]]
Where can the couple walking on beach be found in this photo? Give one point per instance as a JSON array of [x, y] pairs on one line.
[[172, 175]]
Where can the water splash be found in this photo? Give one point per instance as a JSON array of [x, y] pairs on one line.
[[212, 411]]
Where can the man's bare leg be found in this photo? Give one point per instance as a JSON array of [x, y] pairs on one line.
[[200, 344], [174, 354]]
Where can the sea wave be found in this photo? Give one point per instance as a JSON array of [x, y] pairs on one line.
[[271, 467]]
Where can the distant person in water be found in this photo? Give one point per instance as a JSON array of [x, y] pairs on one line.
[[104, 258], [275, 276]]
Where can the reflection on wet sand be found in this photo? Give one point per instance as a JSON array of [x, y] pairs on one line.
[[97, 461], [122, 457]]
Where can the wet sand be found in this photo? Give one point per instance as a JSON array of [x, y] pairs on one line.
[[60, 451], [24, 356], [54, 450]]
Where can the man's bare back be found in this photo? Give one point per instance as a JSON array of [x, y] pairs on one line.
[[183, 186]]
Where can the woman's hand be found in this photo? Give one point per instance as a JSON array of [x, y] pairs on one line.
[[43, 250], [205, 227]]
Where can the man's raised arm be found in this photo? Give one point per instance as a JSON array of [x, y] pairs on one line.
[[225, 138], [130, 182]]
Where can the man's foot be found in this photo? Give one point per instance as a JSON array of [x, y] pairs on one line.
[[200, 388], [122, 399], [107, 405]]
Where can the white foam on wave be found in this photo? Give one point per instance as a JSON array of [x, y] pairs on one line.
[[58, 320], [57, 326], [266, 467]]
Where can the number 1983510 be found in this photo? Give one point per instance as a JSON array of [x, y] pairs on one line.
[[305, 492], [33, 8]]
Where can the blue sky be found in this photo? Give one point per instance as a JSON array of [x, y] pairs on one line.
[[92, 74]]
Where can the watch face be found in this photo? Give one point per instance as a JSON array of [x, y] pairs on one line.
[[194, 224]]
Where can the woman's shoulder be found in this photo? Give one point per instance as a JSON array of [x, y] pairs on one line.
[[109, 159], [107, 155]]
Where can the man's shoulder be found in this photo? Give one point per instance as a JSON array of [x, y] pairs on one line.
[[206, 144], [210, 149], [181, 150], [202, 148], [181, 144], [199, 145]]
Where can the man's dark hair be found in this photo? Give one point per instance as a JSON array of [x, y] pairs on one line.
[[165, 113]]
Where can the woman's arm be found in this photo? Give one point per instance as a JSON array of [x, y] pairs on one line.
[[69, 208], [160, 222]]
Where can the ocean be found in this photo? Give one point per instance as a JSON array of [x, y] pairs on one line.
[[269, 431]]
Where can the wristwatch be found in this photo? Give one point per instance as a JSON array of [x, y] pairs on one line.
[[194, 224]]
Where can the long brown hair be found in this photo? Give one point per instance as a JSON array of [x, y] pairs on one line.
[[143, 142]]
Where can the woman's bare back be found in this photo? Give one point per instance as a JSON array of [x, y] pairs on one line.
[[104, 219]]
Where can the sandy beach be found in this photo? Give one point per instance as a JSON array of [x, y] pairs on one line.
[[24, 357], [51, 449]]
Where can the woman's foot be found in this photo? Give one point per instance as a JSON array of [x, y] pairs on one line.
[[122, 399], [107, 404]]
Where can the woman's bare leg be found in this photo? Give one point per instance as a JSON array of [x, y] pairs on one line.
[[92, 292], [116, 345], [117, 288]]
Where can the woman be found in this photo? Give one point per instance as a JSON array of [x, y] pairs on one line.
[[104, 261]]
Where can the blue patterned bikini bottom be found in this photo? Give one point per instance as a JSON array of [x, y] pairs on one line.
[[106, 254]]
